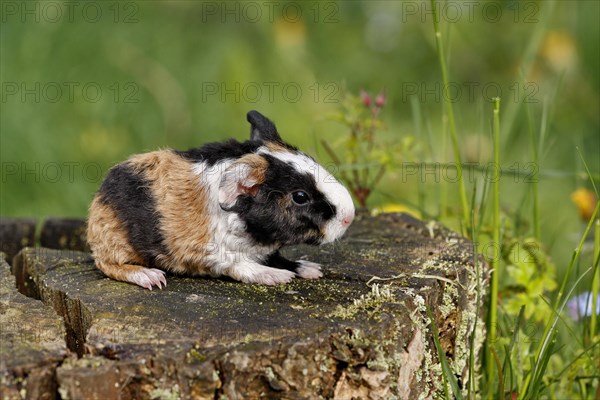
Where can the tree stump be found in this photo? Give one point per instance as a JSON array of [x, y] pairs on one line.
[[32, 343], [61, 233], [362, 331], [16, 233]]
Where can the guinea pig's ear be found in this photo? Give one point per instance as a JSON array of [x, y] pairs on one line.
[[243, 177], [262, 128]]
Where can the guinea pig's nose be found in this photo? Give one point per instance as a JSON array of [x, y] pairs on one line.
[[348, 218]]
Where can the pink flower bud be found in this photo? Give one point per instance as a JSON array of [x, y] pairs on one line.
[[365, 98], [380, 99]]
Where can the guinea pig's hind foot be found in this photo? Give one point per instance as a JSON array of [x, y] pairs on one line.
[[141, 276], [148, 277], [308, 270]]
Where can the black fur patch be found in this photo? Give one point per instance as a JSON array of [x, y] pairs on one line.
[[212, 153], [272, 218], [262, 128], [276, 260], [129, 195]]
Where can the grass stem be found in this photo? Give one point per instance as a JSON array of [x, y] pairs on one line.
[[575, 256], [451, 122], [471, 384], [537, 232], [495, 263], [595, 281], [549, 328]]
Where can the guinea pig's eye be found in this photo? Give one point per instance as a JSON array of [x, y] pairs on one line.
[[300, 197]]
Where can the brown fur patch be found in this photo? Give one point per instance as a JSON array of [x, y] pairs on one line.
[[258, 165], [277, 148], [109, 242], [181, 203]]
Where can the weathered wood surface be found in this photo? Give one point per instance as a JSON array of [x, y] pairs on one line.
[[344, 336], [64, 233], [15, 234], [32, 343], [55, 233]]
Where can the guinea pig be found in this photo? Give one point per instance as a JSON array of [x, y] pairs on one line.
[[220, 209]]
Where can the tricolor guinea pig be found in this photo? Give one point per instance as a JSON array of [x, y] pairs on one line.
[[219, 209]]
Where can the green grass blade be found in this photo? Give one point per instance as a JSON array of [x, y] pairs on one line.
[[566, 325], [474, 234], [595, 276], [537, 231], [510, 347], [536, 389], [484, 202], [447, 374], [495, 263], [587, 170], [531, 388], [595, 281], [500, 374], [575, 255], [547, 117], [528, 60], [574, 258], [574, 360], [451, 121], [515, 337], [417, 117]]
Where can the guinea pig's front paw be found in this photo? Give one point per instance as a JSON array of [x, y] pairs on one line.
[[308, 270], [249, 272]]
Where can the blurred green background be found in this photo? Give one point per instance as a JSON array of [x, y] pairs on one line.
[[85, 85]]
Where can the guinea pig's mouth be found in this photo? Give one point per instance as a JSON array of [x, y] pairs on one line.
[[335, 229]]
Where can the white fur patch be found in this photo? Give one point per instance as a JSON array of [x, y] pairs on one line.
[[234, 177], [230, 246], [334, 191], [309, 270], [210, 177], [250, 272]]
